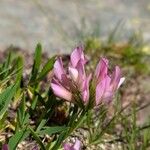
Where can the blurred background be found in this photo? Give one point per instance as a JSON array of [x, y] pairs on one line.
[[61, 24]]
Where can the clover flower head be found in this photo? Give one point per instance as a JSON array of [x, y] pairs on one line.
[[106, 84], [73, 84]]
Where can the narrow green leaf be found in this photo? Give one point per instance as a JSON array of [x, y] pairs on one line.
[[4, 71], [34, 102], [7, 63], [52, 130], [35, 136], [37, 62], [21, 111], [17, 138], [47, 67], [9, 76], [40, 126], [6, 97], [3, 121], [20, 68], [22, 115], [59, 141]]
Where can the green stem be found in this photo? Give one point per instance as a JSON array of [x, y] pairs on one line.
[[72, 128], [78, 123]]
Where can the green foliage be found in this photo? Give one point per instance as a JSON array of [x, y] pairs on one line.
[[6, 97], [46, 68], [17, 138], [39, 114], [51, 130], [37, 62]]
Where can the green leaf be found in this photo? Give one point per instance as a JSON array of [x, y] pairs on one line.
[[47, 67], [19, 68], [34, 103], [4, 71], [35, 136], [10, 75], [37, 62], [6, 97], [52, 130], [40, 126], [7, 63], [17, 138], [3, 122], [22, 115], [59, 141]]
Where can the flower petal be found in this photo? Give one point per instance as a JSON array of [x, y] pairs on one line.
[[76, 56], [85, 90], [101, 69], [115, 79], [61, 92], [108, 94], [73, 74], [77, 145], [121, 81], [107, 97], [58, 68], [5, 147], [100, 89], [67, 147]]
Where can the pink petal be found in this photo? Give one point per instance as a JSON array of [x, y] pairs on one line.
[[58, 68], [121, 81], [115, 78], [80, 68], [100, 89], [81, 73], [73, 74], [61, 92], [77, 145], [107, 84], [101, 69], [85, 90], [85, 96], [5, 147], [67, 147], [108, 94], [77, 55]]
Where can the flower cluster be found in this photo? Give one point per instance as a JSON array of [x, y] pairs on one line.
[[106, 85], [73, 84]]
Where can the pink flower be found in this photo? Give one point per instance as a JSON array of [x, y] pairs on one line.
[[76, 56], [76, 146], [101, 69], [106, 85], [72, 84], [77, 62], [60, 83], [72, 80], [5, 147]]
